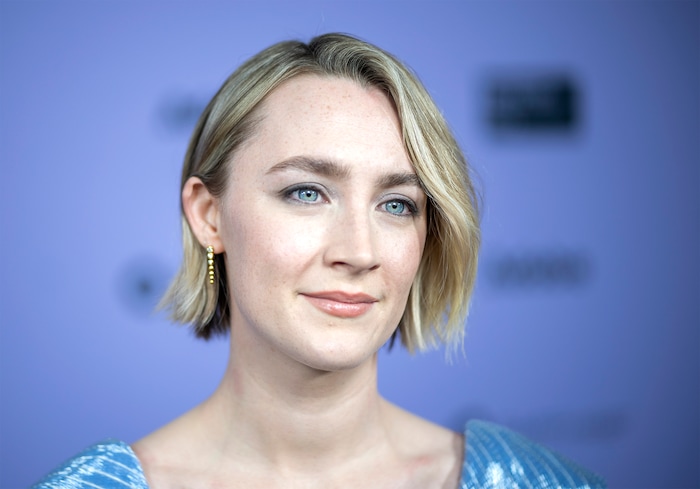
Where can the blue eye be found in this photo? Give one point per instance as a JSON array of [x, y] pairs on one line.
[[400, 207], [306, 194], [395, 207]]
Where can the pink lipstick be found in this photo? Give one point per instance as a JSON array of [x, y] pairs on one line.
[[341, 304]]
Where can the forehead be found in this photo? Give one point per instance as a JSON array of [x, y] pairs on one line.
[[323, 94], [330, 117]]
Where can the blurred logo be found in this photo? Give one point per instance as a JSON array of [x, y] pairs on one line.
[[537, 102], [141, 283], [543, 268], [178, 114]]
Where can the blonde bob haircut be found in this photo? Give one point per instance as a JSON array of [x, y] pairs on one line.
[[439, 299]]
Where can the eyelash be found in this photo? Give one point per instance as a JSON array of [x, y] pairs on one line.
[[409, 204], [289, 194]]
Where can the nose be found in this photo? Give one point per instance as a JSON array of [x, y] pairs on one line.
[[352, 242]]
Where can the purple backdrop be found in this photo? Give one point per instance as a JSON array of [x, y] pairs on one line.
[[585, 326]]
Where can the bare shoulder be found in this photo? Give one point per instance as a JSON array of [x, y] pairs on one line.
[[435, 454], [155, 453], [168, 454]]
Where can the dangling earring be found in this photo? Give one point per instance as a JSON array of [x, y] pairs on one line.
[[210, 263]]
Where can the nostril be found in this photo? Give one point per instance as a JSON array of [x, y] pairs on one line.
[[352, 243], [343, 255]]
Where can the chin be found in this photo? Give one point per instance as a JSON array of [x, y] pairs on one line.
[[339, 357]]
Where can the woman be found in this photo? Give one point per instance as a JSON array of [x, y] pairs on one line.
[[326, 209]]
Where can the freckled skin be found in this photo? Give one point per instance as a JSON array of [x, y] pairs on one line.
[[307, 225], [276, 250]]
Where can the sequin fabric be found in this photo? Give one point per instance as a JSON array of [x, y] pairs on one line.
[[108, 465], [494, 458], [497, 458]]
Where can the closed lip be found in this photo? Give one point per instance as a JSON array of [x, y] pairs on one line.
[[340, 296], [341, 304]]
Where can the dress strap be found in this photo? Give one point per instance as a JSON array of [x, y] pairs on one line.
[[110, 464], [496, 457]]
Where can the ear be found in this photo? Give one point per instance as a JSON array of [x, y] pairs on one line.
[[201, 209]]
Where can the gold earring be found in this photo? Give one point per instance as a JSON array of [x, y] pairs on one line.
[[210, 263]]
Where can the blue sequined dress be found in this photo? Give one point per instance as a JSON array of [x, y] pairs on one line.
[[494, 458]]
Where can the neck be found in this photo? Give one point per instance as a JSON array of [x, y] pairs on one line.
[[294, 416]]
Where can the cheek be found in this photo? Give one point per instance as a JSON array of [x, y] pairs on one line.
[[402, 258], [270, 248]]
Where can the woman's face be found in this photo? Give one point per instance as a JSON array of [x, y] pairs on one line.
[[323, 224]]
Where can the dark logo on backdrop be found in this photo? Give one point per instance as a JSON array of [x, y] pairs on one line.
[[178, 114], [540, 102], [538, 269], [141, 283]]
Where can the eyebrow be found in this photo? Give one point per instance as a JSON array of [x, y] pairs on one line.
[[333, 169], [399, 180], [323, 167]]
